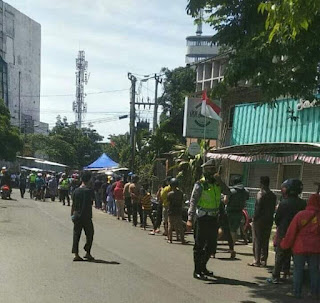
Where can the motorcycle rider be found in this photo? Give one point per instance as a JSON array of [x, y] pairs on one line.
[[204, 208], [287, 209], [5, 179]]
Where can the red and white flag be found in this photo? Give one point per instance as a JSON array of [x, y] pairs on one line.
[[209, 109]]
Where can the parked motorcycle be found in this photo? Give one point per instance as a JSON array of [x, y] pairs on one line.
[[5, 192]]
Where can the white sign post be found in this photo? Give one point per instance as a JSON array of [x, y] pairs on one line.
[[194, 124]]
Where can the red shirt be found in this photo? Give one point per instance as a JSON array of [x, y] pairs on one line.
[[303, 234], [118, 191]]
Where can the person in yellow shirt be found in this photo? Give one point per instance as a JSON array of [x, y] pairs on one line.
[[165, 207]]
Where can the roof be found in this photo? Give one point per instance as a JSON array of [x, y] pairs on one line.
[[42, 161]]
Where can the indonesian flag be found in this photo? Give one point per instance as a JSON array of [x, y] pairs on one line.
[[209, 109]]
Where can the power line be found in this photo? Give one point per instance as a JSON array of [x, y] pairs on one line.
[[72, 95]]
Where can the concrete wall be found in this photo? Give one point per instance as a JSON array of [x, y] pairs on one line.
[[21, 49]]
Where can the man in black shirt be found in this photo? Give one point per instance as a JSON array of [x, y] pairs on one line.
[[81, 214], [262, 222], [97, 191], [175, 199]]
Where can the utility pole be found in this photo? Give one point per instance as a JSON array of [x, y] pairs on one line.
[[133, 80], [79, 106], [155, 109]]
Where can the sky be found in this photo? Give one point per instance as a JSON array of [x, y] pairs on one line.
[[137, 36]]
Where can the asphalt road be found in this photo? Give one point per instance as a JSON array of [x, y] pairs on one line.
[[131, 266]]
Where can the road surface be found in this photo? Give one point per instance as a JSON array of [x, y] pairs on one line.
[[131, 266]]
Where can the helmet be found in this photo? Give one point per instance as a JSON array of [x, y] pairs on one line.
[[39, 175], [292, 187], [174, 182]]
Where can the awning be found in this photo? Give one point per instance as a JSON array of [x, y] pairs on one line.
[[31, 168], [268, 148], [103, 162], [269, 152]]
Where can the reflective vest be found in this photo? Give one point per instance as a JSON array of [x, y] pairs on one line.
[[65, 184], [210, 198], [32, 178]]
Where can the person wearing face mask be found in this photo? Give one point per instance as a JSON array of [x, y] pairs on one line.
[[203, 216]]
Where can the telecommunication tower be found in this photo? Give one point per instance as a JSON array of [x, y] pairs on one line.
[[79, 106]]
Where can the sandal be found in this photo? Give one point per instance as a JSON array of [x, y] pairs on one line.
[[254, 264]]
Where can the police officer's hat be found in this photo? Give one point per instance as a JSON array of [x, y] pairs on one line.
[[209, 164]]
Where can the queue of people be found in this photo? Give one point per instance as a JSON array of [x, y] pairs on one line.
[[213, 206]]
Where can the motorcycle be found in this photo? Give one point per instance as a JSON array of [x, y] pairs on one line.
[[5, 192]]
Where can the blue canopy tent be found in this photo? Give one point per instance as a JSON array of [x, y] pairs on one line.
[[103, 162]]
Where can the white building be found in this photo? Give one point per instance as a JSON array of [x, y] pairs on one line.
[[20, 67]]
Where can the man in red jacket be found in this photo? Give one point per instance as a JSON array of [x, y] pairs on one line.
[[303, 236]]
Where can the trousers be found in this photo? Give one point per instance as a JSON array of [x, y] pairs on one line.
[[261, 237], [205, 241], [282, 260], [120, 208], [314, 273], [136, 208], [175, 223], [64, 195], [87, 226], [128, 204], [146, 214], [159, 216]]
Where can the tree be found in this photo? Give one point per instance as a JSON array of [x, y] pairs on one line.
[[279, 67], [119, 149], [289, 18], [82, 143], [66, 144], [10, 139]]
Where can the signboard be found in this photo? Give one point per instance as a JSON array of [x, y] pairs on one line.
[[194, 149], [194, 124], [303, 104]]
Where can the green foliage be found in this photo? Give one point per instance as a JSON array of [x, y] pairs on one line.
[[119, 149], [177, 84], [10, 139], [66, 144], [189, 166], [289, 18], [258, 52]]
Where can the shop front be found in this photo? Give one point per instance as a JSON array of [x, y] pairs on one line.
[[279, 140]]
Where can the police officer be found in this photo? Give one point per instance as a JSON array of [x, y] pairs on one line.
[[203, 210]]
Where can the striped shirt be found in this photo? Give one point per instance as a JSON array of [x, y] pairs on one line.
[[146, 202]]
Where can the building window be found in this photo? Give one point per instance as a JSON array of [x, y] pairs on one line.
[[3, 81], [231, 117]]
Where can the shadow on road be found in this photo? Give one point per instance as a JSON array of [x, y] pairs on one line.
[[227, 281], [228, 259], [99, 261]]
